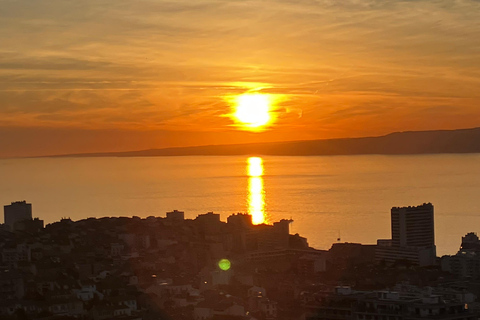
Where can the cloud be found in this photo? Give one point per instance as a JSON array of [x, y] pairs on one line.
[[14, 61], [168, 64]]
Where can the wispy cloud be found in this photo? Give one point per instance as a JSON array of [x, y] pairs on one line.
[[167, 64]]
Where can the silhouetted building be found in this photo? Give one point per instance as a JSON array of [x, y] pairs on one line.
[[16, 212], [466, 263], [240, 221], [346, 304], [413, 226], [209, 222], [11, 285], [175, 217], [31, 226], [343, 254], [413, 236], [470, 242], [267, 237], [240, 227]]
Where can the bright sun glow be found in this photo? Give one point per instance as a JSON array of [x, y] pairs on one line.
[[253, 110]]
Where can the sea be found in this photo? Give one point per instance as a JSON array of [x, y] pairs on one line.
[[329, 198]]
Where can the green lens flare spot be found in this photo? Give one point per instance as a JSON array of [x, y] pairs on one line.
[[224, 264]]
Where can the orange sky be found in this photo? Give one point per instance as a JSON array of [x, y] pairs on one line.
[[112, 75]]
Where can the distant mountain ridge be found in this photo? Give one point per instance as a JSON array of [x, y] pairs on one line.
[[410, 142]]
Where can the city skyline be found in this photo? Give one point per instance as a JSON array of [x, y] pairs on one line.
[[204, 268], [411, 226]]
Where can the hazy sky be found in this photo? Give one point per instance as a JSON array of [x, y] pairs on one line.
[[108, 75]]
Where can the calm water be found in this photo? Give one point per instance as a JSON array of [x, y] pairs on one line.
[[350, 196]]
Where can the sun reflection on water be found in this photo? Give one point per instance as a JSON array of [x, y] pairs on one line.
[[256, 192]]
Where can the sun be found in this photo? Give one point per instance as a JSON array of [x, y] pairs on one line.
[[253, 110]]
